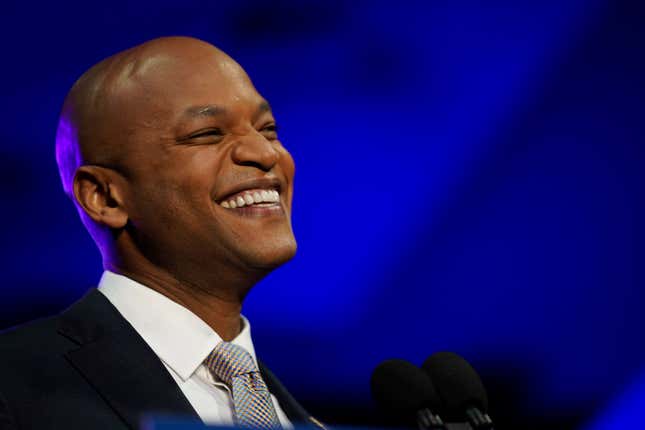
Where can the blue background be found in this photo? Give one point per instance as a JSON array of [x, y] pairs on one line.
[[470, 177]]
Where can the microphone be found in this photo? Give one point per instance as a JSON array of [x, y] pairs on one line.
[[405, 392], [460, 388]]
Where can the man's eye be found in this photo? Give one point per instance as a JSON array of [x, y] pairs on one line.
[[216, 132], [271, 129]]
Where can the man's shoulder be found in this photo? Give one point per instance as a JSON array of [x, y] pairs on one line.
[[41, 384], [85, 320], [31, 355], [33, 338]]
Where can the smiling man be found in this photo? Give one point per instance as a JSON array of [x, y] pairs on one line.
[[173, 161]]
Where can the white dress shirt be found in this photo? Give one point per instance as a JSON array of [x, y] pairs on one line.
[[182, 341]]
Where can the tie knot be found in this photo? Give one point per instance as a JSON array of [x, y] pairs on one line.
[[228, 361]]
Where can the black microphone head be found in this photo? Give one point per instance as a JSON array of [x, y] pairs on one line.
[[458, 384], [400, 389]]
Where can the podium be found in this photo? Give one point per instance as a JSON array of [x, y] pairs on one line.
[[175, 423]]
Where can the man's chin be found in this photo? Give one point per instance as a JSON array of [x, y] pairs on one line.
[[273, 257]]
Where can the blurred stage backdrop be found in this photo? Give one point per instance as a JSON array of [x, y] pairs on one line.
[[470, 177]]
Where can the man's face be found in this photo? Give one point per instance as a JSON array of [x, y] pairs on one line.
[[209, 183]]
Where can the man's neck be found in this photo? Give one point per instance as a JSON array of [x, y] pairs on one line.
[[220, 308]]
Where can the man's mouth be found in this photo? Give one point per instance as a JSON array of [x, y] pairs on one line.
[[257, 197]]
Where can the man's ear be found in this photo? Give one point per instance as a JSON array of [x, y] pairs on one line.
[[99, 195]]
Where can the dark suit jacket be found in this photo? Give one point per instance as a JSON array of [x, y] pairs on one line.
[[89, 369]]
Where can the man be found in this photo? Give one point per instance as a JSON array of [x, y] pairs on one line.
[[173, 161]]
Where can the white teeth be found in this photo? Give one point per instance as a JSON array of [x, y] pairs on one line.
[[249, 198]]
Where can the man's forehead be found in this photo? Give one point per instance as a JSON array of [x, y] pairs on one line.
[[181, 68], [201, 84]]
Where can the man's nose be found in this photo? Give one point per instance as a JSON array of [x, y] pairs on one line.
[[255, 150]]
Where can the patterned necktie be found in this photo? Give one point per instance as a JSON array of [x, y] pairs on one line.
[[251, 397]]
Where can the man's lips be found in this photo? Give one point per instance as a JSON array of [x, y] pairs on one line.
[[262, 192], [253, 197]]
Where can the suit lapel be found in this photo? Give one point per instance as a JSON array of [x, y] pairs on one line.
[[117, 362], [294, 411]]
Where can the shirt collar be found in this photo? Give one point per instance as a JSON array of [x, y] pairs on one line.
[[179, 337]]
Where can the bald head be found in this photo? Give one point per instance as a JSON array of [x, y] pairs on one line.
[[102, 110]]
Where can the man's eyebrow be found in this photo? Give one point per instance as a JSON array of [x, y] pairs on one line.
[[207, 110], [264, 107], [213, 110]]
